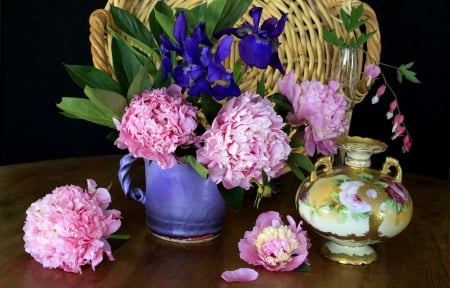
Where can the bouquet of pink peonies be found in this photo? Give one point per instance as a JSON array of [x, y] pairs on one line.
[[69, 228], [173, 101]]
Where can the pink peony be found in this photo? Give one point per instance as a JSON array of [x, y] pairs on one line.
[[245, 139], [275, 246], [320, 108], [157, 122], [69, 227]]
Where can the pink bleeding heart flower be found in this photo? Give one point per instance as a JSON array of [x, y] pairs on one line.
[[407, 143], [240, 275], [380, 92], [371, 71], [392, 107]]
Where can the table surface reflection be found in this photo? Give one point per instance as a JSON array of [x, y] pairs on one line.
[[417, 257]]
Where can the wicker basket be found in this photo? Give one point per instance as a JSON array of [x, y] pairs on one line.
[[302, 49]]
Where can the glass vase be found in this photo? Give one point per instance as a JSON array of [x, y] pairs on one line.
[[346, 69]]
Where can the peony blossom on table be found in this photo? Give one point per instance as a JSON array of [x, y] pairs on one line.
[[273, 245], [69, 227], [319, 108], [245, 139]]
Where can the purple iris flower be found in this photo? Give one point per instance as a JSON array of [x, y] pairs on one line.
[[264, 41], [201, 71]]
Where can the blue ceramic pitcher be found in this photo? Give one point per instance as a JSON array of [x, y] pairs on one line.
[[180, 205]]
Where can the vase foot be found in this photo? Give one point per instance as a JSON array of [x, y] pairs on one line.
[[357, 255], [187, 240]]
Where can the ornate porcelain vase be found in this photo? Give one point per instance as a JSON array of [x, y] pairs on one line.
[[180, 205], [354, 206]]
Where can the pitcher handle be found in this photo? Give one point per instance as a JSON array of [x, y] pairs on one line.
[[125, 179]]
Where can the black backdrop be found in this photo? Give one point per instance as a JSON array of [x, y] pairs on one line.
[[37, 37]]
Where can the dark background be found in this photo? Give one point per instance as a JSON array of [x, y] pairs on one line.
[[37, 37]]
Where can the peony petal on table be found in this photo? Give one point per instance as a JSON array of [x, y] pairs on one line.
[[240, 275]]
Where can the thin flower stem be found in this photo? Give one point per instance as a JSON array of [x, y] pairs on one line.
[[119, 236]]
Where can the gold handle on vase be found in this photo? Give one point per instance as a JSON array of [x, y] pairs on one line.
[[386, 169], [324, 162]]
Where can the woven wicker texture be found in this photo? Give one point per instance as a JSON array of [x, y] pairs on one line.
[[302, 49]]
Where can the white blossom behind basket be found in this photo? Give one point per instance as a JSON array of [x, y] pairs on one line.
[[302, 49]]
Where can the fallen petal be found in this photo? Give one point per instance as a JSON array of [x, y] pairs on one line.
[[240, 275]]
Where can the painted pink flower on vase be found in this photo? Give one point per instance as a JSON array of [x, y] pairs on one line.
[[350, 199], [69, 228], [396, 191], [156, 123], [244, 139], [273, 245], [320, 108]]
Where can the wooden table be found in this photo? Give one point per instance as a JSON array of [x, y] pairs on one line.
[[417, 257]]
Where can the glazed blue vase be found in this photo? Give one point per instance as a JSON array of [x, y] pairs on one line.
[[180, 205]]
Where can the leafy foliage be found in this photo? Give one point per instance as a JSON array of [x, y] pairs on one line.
[[351, 22]]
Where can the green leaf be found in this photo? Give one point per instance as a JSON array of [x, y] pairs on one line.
[[403, 70], [110, 103], [332, 38], [126, 65], [302, 161], [232, 12], [155, 26], [237, 70], [210, 107], [91, 76], [194, 16], [261, 85], [82, 108], [303, 268], [140, 82], [297, 171], [213, 15], [131, 25], [191, 160], [354, 21], [141, 50], [167, 23], [282, 105], [297, 142], [363, 39], [351, 23], [233, 197]]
